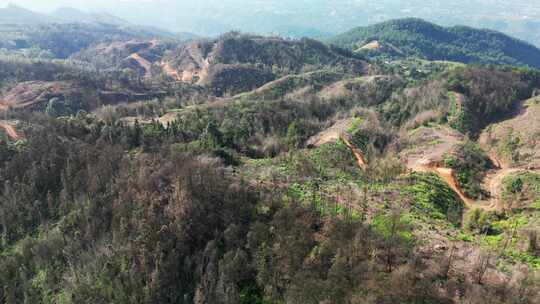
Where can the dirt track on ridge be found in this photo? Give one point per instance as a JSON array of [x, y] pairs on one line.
[[10, 130], [145, 64], [359, 155]]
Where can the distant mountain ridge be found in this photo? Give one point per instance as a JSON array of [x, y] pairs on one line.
[[15, 17], [70, 14], [411, 37], [67, 30], [14, 14]]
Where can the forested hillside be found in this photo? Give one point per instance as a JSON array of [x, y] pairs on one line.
[[417, 38], [255, 169]]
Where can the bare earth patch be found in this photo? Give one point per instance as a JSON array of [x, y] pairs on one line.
[[33, 93], [9, 128]]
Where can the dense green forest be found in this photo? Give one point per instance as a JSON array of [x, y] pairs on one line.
[[331, 177], [419, 38]]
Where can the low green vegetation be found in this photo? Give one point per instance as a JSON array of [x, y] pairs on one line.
[[434, 198], [458, 117], [522, 191], [510, 147], [481, 222], [470, 163]]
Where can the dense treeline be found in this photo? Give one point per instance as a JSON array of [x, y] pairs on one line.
[[418, 38]]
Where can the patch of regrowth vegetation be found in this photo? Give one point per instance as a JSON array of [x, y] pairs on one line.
[[510, 147], [368, 134], [510, 235], [470, 163], [458, 117], [479, 221], [433, 197], [522, 190], [395, 226]]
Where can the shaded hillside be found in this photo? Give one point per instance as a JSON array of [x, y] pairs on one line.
[[467, 98], [418, 38], [235, 78]]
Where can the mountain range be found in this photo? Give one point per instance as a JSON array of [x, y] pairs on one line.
[[18, 16], [315, 18], [14, 14]]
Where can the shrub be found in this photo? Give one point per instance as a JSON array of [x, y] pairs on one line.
[[470, 163], [481, 222], [434, 197]]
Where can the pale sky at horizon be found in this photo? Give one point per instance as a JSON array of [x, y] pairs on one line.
[[47, 6], [314, 17]]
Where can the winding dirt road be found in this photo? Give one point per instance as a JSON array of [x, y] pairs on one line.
[[493, 181], [334, 133]]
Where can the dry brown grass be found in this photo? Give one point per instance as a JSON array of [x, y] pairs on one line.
[[524, 128]]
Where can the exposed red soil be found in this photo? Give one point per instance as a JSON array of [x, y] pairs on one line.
[[31, 93], [359, 155], [145, 64], [10, 131]]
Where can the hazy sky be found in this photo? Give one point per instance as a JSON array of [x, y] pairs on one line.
[[306, 17], [91, 5]]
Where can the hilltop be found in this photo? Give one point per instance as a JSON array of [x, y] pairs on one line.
[[14, 14], [71, 15], [405, 38], [230, 64]]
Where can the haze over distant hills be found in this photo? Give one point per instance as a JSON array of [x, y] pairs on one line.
[[18, 15], [13, 14], [73, 30], [66, 30], [314, 18], [73, 15]]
